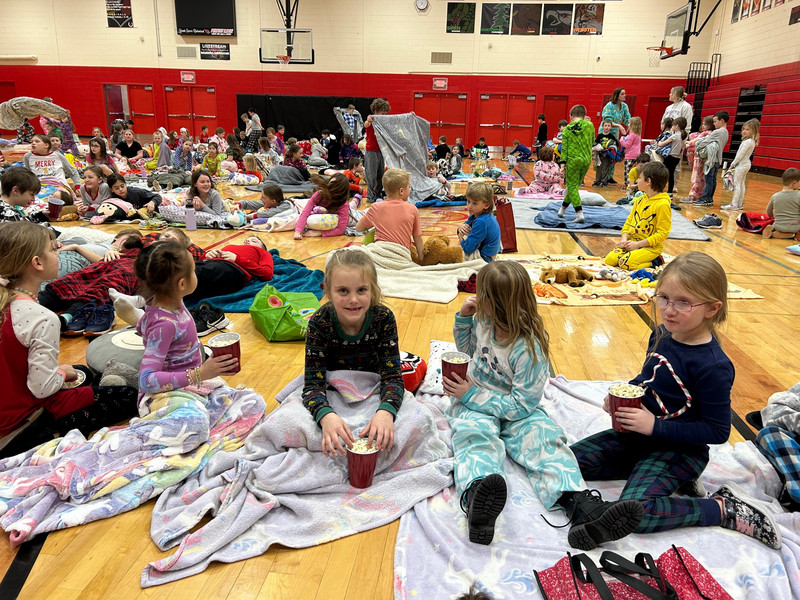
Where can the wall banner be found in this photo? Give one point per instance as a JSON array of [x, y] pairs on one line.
[[119, 13]]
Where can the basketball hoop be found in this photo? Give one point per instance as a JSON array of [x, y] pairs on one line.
[[655, 53], [283, 59]]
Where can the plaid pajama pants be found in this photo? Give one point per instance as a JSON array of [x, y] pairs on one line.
[[653, 473], [782, 450]]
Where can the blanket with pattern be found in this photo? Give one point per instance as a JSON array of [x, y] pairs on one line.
[[72, 481], [281, 489], [433, 551]]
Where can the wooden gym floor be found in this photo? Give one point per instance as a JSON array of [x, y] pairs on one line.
[[104, 559]]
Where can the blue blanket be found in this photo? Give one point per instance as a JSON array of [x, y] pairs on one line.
[[596, 216], [436, 202], [289, 275]]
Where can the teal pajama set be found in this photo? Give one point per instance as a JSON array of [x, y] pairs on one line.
[[500, 413], [577, 140]]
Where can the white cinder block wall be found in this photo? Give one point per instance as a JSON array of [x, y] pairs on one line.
[[390, 36]]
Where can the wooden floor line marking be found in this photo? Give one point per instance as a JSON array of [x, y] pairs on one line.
[[750, 250], [227, 239], [20, 568]]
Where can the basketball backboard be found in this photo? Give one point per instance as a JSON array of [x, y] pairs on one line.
[[678, 30], [296, 43]]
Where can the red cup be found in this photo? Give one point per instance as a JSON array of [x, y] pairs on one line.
[[455, 362], [55, 205], [361, 468], [615, 402], [227, 343]]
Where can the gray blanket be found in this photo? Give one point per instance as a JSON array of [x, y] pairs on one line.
[[280, 489], [286, 178], [783, 410], [403, 140], [12, 112]]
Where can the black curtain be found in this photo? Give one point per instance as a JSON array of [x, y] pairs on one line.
[[303, 116]]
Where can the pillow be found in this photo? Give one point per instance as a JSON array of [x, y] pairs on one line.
[[242, 179], [323, 222], [591, 198], [413, 369], [123, 345], [432, 383]]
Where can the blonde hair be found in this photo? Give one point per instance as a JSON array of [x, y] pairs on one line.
[[354, 259], [394, 179], [505, 298], [250, 162], [636, 125], [185, 240], [701, 276], [754, 125], [431, 165], [20, 242], [482, 192]]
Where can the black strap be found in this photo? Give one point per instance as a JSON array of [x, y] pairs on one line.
[[689, 573], [620, 568], [592, 575]]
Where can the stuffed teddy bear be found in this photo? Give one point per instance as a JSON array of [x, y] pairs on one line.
[[438, 251], [574, 276]]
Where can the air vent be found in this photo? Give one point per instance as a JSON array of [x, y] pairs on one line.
[[441, 58], [187, 52]]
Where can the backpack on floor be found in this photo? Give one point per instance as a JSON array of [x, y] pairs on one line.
[[753, 222]]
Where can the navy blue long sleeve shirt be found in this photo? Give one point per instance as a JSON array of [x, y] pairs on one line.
[[706, 372]]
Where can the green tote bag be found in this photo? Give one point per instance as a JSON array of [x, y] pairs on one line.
[[282, 316]]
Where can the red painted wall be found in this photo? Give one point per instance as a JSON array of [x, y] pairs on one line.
[[80, 89]]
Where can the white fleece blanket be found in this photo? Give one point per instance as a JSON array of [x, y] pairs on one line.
[[400, 277], [433, 551], [280, 489]]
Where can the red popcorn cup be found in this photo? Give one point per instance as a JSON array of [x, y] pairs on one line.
[[455, 362], [227, 343], [361, 466], [623, 394], [55, 205]]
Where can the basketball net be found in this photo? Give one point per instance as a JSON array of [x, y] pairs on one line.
[[283, 60], [654, 54]]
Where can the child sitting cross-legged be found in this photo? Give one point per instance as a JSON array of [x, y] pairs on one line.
[[395, 219], [480, 232], [784, 207], [172, 356], [648, 224], [547, 172], [352, 331], [433, 172], [497, 411]]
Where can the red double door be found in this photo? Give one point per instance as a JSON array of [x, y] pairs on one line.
[[191, 107], [447, 114], [503, 118]]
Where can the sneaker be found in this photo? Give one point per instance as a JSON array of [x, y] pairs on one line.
[[755, 420], [731, 206], [709, 221], [78, 323], [657, 261], [674, 206], [208, 319], [702, 202], [687, 200], [747, 515], [482, 502], [596, 184], [101, 321], [693, 489], [612, 181], [595, 521]]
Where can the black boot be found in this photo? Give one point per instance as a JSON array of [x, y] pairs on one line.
[[482, 502], [595, 521]]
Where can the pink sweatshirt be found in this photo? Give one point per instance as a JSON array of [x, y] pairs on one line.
[[632, 144], [313, 206]]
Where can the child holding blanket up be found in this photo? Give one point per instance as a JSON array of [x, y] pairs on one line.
[[686, 406], [496, 410], [353, 331]]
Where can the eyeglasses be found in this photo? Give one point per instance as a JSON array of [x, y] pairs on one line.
[[679, 305]]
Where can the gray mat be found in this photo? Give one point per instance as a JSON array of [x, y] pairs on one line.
[[524, 214]]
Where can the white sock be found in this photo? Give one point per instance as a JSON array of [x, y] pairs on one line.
[[134, 301], [561, 212], [579, 218]]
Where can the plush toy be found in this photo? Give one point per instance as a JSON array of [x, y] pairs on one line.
[[610, 274], [574, 276], [113, 209], [644, 278], [237, 219], [438, 251]]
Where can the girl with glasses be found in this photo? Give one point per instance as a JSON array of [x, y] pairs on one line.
[[686, 406]]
